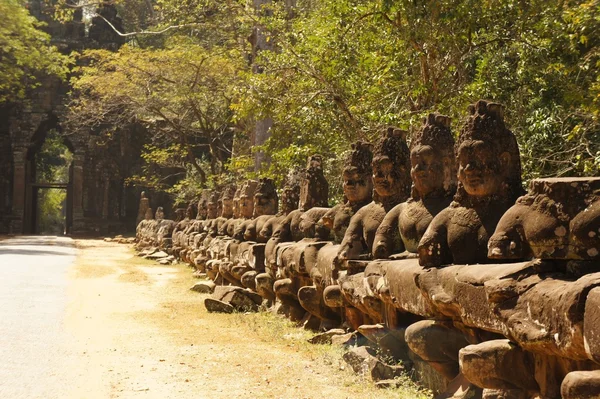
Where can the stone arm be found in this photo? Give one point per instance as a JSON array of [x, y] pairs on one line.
[[240, 230], [269, 228], [250, 232], [324, 225], [387, 238], [433, 248], [353, 244]]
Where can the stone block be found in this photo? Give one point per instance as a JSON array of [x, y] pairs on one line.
[[363, 361], [204, 287]]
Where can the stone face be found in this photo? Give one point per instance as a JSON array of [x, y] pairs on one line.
[[489, 182], [558, 219]]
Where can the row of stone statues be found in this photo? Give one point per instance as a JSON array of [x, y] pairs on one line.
[[495, 289]]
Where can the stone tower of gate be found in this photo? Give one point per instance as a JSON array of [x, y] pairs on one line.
[[98, 199]]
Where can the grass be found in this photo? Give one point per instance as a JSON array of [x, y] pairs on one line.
[[242, 355]]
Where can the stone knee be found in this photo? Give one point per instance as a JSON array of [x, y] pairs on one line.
[[249, 280], [264, 286], [581, 385], [311, 299], [284, 290], [237, 271], [438, 343], [225, 272], [499, 365]]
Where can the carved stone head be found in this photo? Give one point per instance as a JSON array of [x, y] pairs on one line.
[[266, 201], [247, 198], [314, 189], [212, 205], [391, 167], [236, 203], [160, 213], [149, 214], [489, 164], [290, 194], [358, 173], [433, 167], [203, 205], [227, 200], [191, 211]]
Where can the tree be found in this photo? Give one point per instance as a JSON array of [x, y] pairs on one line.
[[25, 52], [181, 93]]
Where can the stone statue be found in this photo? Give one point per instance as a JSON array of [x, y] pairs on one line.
[[144, 206], [433, 174], [313, 196], [489, 182], [357, 177], [391, 179], [434, 183], [557, 219], [265, 207]]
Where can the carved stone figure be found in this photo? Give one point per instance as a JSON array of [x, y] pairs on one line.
[[314, 191], [391, 177], [433, 174], [434, 183], [557, 219], [144, 206], [265, 207], [489, 182], [318, 257]]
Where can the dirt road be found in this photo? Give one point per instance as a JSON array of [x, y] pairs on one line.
[[118, 326]]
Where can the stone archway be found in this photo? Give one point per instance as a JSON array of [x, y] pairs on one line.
[[31, 185]]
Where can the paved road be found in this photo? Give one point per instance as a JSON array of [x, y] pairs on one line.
[[34, 345]]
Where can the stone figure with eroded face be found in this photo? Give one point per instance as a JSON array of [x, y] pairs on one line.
[[489, 182]]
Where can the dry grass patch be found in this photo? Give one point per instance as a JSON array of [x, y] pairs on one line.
[[158, 339]]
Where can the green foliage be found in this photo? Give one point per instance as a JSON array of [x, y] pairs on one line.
[[345, 69], [51, 211], [53, 160], [25, 52], [182, 93], [340, 71]]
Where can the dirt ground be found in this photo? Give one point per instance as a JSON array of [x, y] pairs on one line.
[[139, 332]]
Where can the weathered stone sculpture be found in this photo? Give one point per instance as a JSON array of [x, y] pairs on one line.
[[314, 191], [144, 229], [434, 183], [245, 207], [224, 212], [265, 207], [557, 219], [259, 231], [391, 181], [318, 257], [143, 207], [540, 306], [391, 177], [489, 182], [433, 174]]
